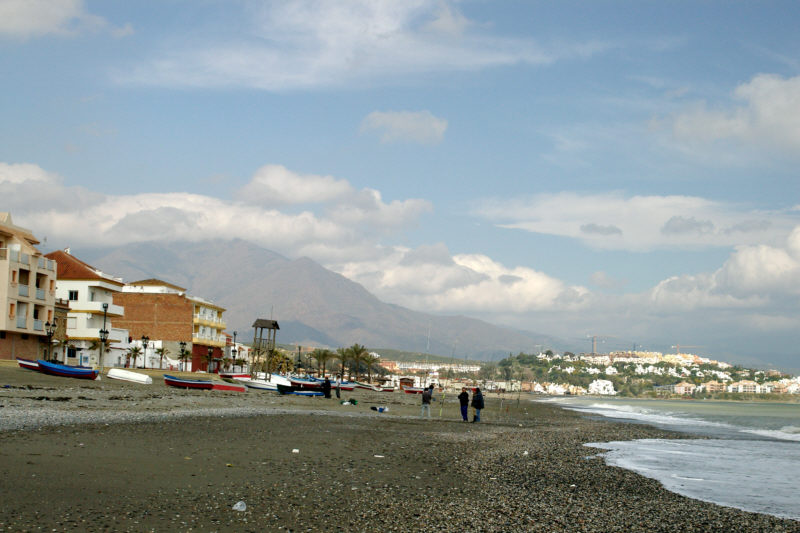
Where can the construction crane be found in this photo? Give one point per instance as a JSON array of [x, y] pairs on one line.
[[594, 341], [678, 347]]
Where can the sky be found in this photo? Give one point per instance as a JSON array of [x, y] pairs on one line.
[[622, 170]]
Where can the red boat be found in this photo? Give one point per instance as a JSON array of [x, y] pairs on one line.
[[234, 375], [236, 387], [28, 364], [413, 390], [182, 383]]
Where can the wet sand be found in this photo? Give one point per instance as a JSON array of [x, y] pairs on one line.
[[116, 456]]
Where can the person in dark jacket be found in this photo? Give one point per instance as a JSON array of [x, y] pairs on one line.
[[427, 396], [477, 404], [463, 398], [326, 388]]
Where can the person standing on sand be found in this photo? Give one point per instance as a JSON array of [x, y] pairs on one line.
[[326, 388], [477, 404], [427, 396], [463, 399]]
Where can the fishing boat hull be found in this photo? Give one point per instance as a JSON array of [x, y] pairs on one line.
[[226, 386], [305, 384], [55, 369], [28, 364], [283, 389], [181, 383], [127, 375], [413, 390], [234, 375], [258, 384]]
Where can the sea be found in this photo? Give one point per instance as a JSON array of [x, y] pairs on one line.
[[746, 454]]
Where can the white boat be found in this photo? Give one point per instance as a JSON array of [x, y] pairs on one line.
[[259, 384], [127, 375]]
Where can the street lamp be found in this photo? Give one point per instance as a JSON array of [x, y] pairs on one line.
[[103, 336], [49, 329], [183, 355], [145, 341], [233, 350], [210, 358]]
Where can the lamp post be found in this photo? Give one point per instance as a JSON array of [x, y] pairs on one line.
[[183, 355], [233, 350], [103, 339], [103, 336], [145, 341], [49, 329], [210, 358]]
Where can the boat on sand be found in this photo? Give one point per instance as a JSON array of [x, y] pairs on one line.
[[184, 383], [128, 375], [55, 369], [28, 364]]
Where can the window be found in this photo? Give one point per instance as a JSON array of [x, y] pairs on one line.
[[12, 310], [13, 276], [73, 296]]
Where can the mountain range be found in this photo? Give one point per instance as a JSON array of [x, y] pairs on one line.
[[314, 306]]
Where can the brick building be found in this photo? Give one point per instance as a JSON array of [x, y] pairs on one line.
[[164, 312]]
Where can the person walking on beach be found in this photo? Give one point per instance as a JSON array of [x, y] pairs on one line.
[[477, 404], [463, 399], [326, 388], [427, 396]]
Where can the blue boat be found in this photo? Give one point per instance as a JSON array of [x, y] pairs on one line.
[[55, 369]]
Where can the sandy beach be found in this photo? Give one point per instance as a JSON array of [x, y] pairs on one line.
[[115, 456]]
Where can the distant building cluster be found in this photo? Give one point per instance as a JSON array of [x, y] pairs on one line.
[[401, 367]]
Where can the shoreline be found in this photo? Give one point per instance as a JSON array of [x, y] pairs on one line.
[[141, 458]]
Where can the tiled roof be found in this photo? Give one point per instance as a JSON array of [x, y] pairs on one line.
[[155, 283], [70, 267]]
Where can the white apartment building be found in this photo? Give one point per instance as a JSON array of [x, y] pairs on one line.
[[90, 294], [27, 293]]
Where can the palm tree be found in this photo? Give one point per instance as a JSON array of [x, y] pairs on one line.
[[358, 355], [161, 353], [184, 356], [134, 352], [370, 360], [322, 356], [343, 355]]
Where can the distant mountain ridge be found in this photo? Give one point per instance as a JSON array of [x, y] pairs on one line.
[[313, 305]]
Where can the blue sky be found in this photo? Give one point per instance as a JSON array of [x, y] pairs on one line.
[[622, 169]]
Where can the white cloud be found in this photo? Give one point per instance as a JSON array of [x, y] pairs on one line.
[[35, 18], [769, 114], [26, 172], [345, 223], [310, 44], [276, 185], [405, 126], [639, 223], [430, 278]]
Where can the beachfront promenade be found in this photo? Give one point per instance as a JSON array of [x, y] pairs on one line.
[[116, 456]]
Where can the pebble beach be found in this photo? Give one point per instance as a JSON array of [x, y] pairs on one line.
[[109, 455]]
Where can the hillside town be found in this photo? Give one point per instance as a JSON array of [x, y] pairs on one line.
[[62, 309]]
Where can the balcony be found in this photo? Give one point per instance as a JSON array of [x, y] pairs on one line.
[[97, 307], [22, 322], [46, 264], [38, 325], [23, 291], [40, 294]]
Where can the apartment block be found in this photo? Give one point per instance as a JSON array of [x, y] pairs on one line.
[[27, 293], [89, 293], [163, 311]]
